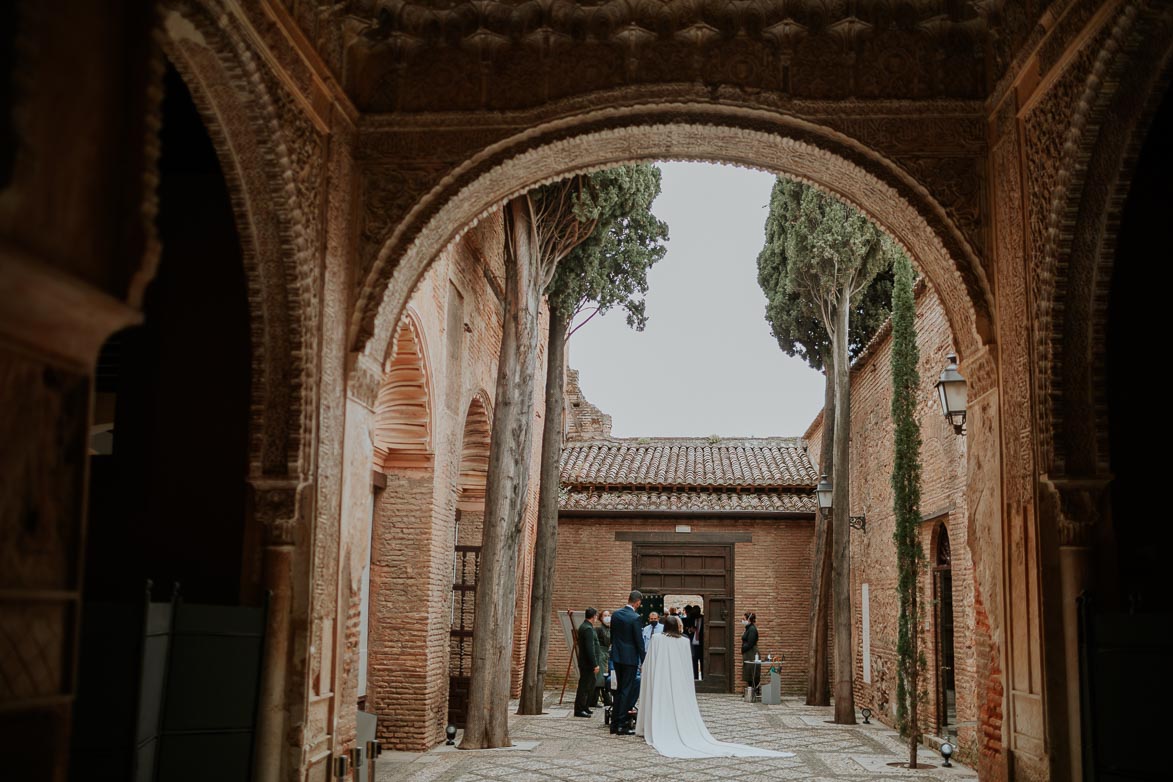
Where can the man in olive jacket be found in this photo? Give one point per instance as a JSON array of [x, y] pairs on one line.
[[589, 656]]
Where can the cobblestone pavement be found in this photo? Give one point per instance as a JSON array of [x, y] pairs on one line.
[[561, 747]]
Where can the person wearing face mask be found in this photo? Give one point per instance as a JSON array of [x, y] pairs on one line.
[[603, 633], [653, 627], [749, 651]]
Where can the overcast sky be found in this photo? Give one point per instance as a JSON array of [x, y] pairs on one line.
[[706, 363]]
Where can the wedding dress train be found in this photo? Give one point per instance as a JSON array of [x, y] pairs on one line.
[[668, 717]]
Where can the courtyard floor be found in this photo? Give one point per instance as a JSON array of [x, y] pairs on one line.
[[557, 746]]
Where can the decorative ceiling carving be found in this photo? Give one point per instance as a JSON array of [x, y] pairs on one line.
[[466, 55]]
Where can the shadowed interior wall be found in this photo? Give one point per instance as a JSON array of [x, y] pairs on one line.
[[1137, 422], [168, 503]]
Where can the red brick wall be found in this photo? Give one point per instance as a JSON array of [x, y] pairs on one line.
[[397, 679], [873, 553], [771, 578]]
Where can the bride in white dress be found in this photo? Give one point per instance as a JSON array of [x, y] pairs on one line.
[[668, 716]]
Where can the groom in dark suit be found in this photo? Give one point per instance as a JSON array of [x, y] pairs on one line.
[[627, 653]]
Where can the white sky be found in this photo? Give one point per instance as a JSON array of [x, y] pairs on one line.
[[706, 363]]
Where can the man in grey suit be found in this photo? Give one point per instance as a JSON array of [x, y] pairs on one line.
[[627, 653]]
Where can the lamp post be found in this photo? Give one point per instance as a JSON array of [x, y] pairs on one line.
[[947, 753], [823, 492], [951, 389]]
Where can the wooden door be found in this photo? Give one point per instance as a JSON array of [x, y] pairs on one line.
[[721, 666], [687, 569], [696, 569]]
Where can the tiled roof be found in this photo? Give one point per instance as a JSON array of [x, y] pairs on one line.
[[655, 463], [688, 501]]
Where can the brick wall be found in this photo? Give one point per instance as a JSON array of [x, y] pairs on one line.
[[584, 421], [771, 578], [943, 502]]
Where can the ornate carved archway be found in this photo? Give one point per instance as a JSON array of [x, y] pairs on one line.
[[1116, 103], [238, 109], [593, 140], [237, 100]]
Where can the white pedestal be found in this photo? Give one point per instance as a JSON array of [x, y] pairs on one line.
[[772, 692]]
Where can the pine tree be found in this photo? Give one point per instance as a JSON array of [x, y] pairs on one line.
[[906, 475], [833, 253], [795, 323], [609, 269]]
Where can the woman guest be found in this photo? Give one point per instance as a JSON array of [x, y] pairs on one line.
[[752, 674], [603, 632]]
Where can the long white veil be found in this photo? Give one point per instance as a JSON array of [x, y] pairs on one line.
[[669, 718]]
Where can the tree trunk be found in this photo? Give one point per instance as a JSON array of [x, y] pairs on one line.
[[841, 508], [533, 683], [914, 674], [487, 723], [818, 685]]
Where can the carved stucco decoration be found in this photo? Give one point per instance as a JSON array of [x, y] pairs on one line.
[[942, 145], [801, 150], [1114, 96], [408, 55], [271, 162], [1079, 508], [1013, 314]]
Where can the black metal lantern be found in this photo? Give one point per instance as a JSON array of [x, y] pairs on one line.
[[450, 732], [823, 491], [946, 753], [951, 389]]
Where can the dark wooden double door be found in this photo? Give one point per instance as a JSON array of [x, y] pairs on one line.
[[696, 569]]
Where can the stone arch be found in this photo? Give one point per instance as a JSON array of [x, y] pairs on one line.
[[227, 82], [473, 472], [224, 77], [1130, 75], [738, 136], [403, 408]]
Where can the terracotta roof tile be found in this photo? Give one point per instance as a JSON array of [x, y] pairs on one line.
[[759, 463], [638, 501]]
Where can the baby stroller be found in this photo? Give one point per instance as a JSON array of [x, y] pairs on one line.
[[613, 684]]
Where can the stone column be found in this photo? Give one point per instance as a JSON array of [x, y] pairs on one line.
[[279, 507], [1075, 507]]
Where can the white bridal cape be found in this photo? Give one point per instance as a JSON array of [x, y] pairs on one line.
[[668, 717]]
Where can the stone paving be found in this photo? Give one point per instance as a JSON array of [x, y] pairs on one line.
[[561, 747]]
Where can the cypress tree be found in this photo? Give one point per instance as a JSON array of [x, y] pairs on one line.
[[906, 476]]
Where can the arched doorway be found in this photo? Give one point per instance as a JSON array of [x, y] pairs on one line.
[[169, 462], [943, 634], [469, 518], [172, 395], [1126, 627]]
